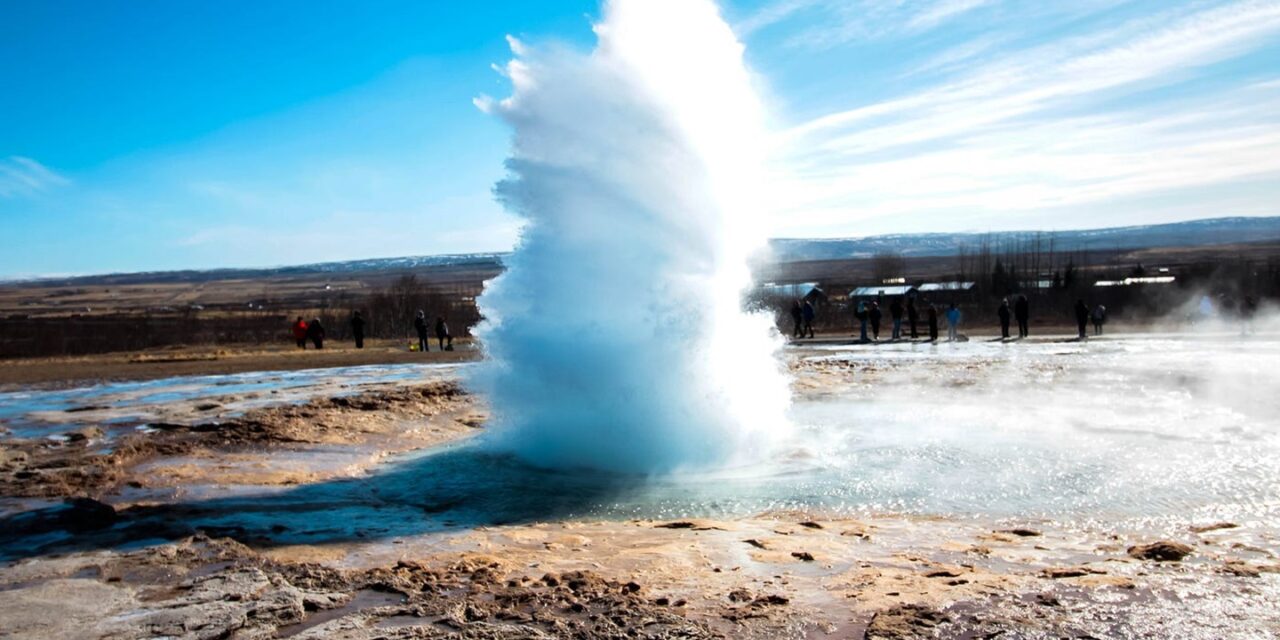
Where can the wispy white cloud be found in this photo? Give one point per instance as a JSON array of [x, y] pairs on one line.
[[21, 177], [938, 12], [1068, 123]]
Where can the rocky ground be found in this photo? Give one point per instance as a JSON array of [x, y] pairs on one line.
[[101, 542]]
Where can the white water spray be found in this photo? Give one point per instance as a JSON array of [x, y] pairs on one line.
[[616, 338]]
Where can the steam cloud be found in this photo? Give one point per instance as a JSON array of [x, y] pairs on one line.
[[616, 338]]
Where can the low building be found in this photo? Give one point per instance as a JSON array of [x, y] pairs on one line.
[[882, 291], [793, 291]]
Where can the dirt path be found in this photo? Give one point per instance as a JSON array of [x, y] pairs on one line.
[[191, 361]]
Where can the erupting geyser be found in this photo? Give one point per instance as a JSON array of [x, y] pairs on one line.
[[616, 338]]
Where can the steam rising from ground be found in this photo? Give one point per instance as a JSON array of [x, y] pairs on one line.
[[616, 338]]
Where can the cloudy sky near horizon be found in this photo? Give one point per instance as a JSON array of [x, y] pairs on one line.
[[157, 135]]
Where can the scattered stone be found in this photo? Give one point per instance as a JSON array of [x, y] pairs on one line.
[[1241, 569], [755, 543], [905, 621], [676, 525], [1046, 600], [1161, 551], [942, 573], [802, 555], [208, 406], [811, 525], [772, 600], [740, 595]]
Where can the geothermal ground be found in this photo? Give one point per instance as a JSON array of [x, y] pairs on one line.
[[1121, 487]]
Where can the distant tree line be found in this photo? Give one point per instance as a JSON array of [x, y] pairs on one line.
[[388, 312]]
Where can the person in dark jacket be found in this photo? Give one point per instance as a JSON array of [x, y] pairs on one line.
[[1022, 311], [932, 315], [809, 313], [300, 332], [913, 317], [1082, 317], [357, 329], [895, 312], [420, 325], [797, 319], [1099, 318], [875, 315], [315, 331], [862, 315], [1004, 314], [442, 334]]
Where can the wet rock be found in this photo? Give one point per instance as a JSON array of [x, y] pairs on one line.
[[551, 580], [82, 435], [82, 409], [1022, 532], [942, 573], [905, 621], [208, 406], [755, 543], [1058, 573], [811, 525], [86, 514], [1161, 551], [740, 595], [802, 555], [1205, 528], [675, 525]]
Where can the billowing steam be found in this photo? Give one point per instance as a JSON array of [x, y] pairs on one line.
[[616, 338]]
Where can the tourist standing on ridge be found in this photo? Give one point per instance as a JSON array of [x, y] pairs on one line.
[[315, 331], [442, 334], [1099, 317], [953, 323], [420, 325], [1003, 312], [861, 314], [875, 314], [895, 312], [913, 317], [809, 314], [933, 322], [1022, 311], [1082, 317], [1247, 311], [357, 329], [797, 317], [300, 332]]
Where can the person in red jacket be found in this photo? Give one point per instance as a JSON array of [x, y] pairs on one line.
[[300, 332]]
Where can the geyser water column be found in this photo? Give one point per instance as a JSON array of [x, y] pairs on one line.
[[616, 338]]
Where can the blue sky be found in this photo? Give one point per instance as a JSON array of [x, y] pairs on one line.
[[159, 135]]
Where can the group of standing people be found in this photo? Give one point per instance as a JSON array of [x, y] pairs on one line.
[[314, 332], [1098, 315], [1019, 310], [802, 315], [442, 333], [870, 316]]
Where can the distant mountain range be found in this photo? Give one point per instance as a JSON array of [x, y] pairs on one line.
[[1177, 234]]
